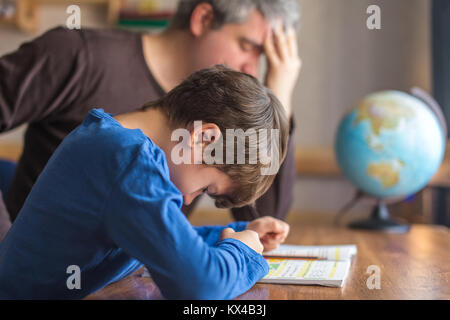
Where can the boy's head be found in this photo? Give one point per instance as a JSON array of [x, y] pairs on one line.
[[231, 32], [229, 136]]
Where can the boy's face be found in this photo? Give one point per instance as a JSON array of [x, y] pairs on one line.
[[195, 179], [239, 46]]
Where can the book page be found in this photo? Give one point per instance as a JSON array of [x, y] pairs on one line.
[[321, 272], [341, 252]]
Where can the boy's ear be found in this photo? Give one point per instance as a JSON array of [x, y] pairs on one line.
[[205, 134], [201, 19]]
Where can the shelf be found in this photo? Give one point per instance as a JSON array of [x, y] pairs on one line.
[[27, 11], [27, 14]]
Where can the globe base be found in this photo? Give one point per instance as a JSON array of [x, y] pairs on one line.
[[380, 221]]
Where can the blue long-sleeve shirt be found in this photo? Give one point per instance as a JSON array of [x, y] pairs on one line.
[[105, 203]]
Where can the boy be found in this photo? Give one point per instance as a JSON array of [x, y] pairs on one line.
[[109, 199]]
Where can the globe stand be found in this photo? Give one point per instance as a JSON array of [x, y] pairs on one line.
[[379, 221]]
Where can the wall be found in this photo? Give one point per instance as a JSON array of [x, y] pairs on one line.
[[342, 62]]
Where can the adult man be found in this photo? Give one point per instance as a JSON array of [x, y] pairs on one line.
[[52, 82]]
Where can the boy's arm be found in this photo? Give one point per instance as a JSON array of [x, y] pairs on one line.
[[40, 77], [277, 200], [143, 217], [211, 234]]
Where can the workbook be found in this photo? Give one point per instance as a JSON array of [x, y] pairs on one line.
[[309, 265]]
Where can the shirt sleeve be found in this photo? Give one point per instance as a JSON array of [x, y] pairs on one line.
[[211, 234], [143, 217], [40, 77]]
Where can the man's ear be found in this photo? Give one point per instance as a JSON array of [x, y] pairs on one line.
[[201, 19]]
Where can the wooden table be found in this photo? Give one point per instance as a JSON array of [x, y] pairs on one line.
[[415, 265]]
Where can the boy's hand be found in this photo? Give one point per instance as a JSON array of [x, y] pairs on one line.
[[249, 237], [283, 64], [271, 231]]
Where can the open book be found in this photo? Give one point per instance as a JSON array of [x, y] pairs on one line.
[[309, 265]]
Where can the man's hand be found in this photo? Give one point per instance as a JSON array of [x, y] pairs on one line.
[[249, 237], [283, 64], [271, 231]]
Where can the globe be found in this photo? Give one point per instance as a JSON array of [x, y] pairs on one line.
[[390, 145]]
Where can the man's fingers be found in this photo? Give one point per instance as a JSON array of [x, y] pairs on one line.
[[269, 49], [281, 42], [292, 42]]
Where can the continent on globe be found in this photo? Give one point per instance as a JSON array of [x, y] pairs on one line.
[[386, 172], [385, 115]]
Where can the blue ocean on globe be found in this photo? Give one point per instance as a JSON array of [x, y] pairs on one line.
[[390, 145]]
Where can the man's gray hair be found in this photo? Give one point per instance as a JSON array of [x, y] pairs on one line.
[[237, 11]]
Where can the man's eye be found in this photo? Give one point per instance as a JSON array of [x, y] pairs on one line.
[[205, 190], [246, 47]]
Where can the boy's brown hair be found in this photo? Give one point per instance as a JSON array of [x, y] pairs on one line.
[[231, 100]]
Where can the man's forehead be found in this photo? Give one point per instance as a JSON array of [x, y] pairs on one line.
[[255, 28]]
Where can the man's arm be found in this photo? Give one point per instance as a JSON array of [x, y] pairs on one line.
[[41, 77]]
